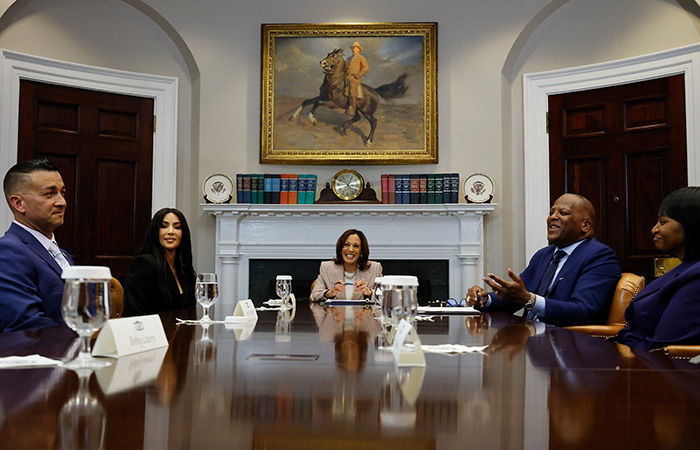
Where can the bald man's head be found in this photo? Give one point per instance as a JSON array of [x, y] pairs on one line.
[[570, 219]]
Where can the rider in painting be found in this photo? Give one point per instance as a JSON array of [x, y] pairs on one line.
[[357, 67]]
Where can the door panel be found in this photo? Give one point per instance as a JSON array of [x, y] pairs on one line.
[[103, 145], [624, 148]]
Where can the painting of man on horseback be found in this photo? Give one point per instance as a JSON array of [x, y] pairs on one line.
[[342, 88], [322, 104]]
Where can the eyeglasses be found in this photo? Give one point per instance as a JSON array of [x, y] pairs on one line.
[[448, 302]]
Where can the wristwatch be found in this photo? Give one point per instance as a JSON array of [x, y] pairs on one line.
[[530, 303]]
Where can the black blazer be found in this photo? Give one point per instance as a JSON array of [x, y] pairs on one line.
[[142, 291]]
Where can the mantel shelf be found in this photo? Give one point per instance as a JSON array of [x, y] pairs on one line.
[[349, 209]]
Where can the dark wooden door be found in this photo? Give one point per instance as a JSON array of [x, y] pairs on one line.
[[103, 145], [624, 148]]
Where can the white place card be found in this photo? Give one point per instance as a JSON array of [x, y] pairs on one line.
[[130, 371], [403, 355], [129, 335], [244, 312]]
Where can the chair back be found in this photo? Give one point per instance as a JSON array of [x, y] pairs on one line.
[[117, 294], [627, 288]]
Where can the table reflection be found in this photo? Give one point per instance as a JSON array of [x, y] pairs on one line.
[[329, 385], [82, 418]]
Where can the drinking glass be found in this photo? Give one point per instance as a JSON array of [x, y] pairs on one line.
[[399, 298], [207, 293], [283, 287], [86, 307]]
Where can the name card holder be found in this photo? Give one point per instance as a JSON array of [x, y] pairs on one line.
[[129, 335], [407, 356]]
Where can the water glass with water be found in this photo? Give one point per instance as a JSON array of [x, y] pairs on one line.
[[399, 298], [207, 293]]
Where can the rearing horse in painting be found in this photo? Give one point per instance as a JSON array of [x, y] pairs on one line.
[[333, 94]]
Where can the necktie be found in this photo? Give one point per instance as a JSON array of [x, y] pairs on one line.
[[58, 255], [543, 289]]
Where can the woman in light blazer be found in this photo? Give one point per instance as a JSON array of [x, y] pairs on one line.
[[350, 276]]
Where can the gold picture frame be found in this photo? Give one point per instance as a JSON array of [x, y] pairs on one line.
[[304, 64]]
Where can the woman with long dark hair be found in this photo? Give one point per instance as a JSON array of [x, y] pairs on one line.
[[350, 276], [161, 277], [667, 310]]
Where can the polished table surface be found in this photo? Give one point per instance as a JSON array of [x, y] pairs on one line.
[[322, 381]]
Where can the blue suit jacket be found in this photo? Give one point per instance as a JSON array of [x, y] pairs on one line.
[[666, 311], [583, 289], [31, 288]]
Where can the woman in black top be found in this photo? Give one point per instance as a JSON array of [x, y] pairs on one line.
[[161, 277]]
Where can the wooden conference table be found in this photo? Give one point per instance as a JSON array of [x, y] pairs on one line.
[[321, 382]]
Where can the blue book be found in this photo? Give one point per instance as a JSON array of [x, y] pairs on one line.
[[311, 189], [454, 190], [293, 189], [276, 189], [246, 197], [446, 187], [406, 189], [267, 188]]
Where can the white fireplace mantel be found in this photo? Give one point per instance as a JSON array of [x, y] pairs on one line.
[[453, 232]]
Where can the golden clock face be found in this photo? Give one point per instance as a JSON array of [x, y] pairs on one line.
[[347, 184]]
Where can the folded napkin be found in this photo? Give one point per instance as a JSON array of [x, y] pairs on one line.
[[452, 349], [196, 322], [276, 308], [424, 318], [459, 310], [23, 362]]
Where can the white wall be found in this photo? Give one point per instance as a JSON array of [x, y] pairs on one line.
[[213, 46]]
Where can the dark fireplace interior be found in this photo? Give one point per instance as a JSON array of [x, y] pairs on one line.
[[433, 277]]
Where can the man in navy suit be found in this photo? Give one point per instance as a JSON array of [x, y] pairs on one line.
[[31, 287], [570, 282]]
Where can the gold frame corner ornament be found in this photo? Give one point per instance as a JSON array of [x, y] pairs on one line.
[[339, 178], [279, 142]]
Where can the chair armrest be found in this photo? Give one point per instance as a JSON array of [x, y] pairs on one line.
[[681, 351], [597, 330]]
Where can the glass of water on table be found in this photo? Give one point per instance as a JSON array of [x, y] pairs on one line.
[[207, 293]]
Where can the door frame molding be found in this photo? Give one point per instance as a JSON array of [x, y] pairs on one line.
[[163, 90], [537, 87]]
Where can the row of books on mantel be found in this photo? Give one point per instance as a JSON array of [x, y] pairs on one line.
[[276, 188], [420, 188]]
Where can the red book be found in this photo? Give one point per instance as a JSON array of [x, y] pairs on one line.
[[392, 189], [385, 188]]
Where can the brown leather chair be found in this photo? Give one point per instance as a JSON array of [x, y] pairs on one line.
[[681, 351], [627, 288], [117, 293]]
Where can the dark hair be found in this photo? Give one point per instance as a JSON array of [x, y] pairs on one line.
[[683, 206], [364, 248], [18, 173], [183, 254]]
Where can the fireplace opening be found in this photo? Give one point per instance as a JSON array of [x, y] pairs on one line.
[[433, 277]]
